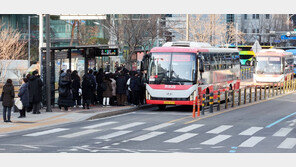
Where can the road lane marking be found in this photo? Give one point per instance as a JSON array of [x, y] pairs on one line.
[[288, 143], [280, 120], [147, 136], [77, 134], [98, 125], [181, 138], [236, 108], [283, 132], [129, 125], [179, 119], [115, 134], [156, 127], [216, 140], [189, 128], [46, 132], [251, 142], [220, 129], [251, 131]]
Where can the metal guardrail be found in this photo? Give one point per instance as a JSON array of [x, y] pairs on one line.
[[243, 96]]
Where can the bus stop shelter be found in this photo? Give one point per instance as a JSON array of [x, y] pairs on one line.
[[87, 53]]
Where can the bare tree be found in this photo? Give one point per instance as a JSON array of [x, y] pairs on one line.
[[210, 28], [11, 48]]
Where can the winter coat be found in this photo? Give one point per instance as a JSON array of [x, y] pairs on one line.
[[86, 87], [35, 89], [8, 95], [65, 91], [75, 87], [24, 94], [113, 84], [135, 84], [121, 85], [108, 91]]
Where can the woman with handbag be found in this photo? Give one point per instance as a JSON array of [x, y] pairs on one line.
[[24, 95], [7, 100]]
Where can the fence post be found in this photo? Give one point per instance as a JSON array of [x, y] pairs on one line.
[[284, 89], [280, 88], [260, 93], [277, 89], [226, 99], [245, 95], [203, 104], [233, 98], [250, 96], [211, 102], [218, 106], [255, 93], [265, 92], [198, 105], [193, 109], [239, 96], [273, 89], [268, 91]]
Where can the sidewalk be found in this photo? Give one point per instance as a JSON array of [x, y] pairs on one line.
[[59, 117]]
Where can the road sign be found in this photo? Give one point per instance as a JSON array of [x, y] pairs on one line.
[[256, 47]]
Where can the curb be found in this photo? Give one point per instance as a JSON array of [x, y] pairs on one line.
[[118, 112]]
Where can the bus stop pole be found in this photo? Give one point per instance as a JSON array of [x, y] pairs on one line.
[[48, 72]]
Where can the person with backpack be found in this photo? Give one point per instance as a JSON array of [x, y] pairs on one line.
[[107, 90], [121, 88], [86, 91], [35, 91], [65, 91], [75, 87], [7, 99]]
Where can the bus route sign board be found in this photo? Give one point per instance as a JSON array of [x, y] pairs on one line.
[[108, 52]]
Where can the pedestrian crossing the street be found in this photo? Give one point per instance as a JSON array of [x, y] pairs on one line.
[[167, 133]]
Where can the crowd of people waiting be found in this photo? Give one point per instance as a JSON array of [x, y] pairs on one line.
[[120, 88], [30, 94]]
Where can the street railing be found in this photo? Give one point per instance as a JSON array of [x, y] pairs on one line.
[[232, 98]]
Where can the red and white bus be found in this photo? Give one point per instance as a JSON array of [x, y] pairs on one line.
[[180, 71], [273, 66]]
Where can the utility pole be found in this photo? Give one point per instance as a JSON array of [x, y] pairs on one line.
[[236, 30], [187, 27], [48, 68], [29, 41], [40, 40]]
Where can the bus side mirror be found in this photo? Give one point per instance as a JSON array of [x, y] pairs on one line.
[[201, 66]]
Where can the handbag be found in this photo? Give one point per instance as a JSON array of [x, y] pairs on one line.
[[79, 91], [18, 103]]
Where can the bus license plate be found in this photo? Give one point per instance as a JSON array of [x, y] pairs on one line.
[[168, 102]]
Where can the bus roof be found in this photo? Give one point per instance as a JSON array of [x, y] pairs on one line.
[[273, 52], [191, 50], [293, 51]]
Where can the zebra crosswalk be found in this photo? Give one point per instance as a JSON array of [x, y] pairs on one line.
[[197, 134]]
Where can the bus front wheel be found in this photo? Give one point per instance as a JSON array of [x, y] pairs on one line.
[[161, 107]]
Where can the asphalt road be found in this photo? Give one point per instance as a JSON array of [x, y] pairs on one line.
[[267, 127]]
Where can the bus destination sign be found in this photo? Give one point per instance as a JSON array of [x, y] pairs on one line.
[[108, 52]]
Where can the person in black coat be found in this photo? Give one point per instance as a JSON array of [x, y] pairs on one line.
[[65, 91], [99, 80], [24, 95], [86, 91], [135, 85], [121, 88], [35, 91], [75, 88], [7, 99]]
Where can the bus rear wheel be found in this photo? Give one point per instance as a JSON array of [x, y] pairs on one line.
[[161, 107]]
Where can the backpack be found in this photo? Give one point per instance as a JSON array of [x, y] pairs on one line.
[[104, 86]]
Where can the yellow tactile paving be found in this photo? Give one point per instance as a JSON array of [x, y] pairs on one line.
[[23, 126]]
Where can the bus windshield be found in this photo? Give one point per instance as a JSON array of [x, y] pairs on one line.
[[269, 65], [172, 68]]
